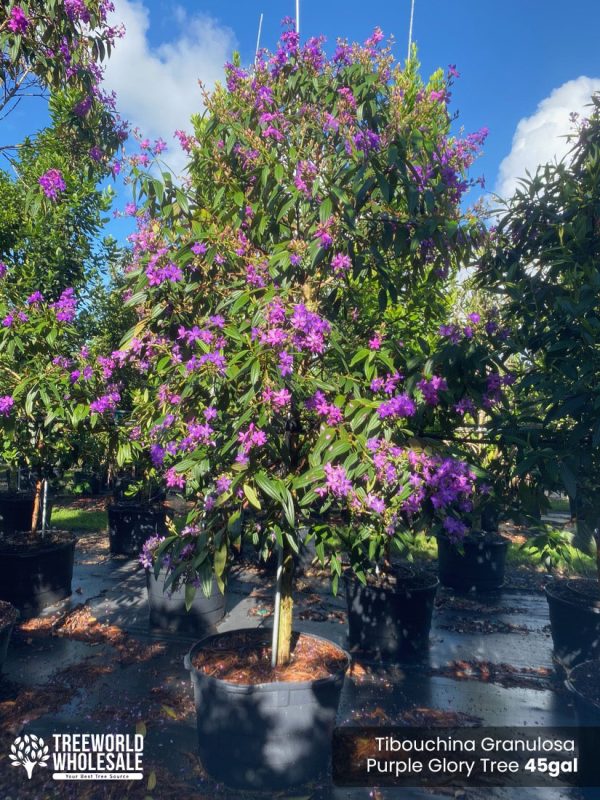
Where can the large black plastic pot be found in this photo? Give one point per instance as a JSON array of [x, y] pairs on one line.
[[8, 617], [168, 611], [267, 736], [16, 511], [478, 563], [584, 684], [574, 622], [36, 572], [130, 524], [392, 623]]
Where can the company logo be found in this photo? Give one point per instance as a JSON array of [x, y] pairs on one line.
[[29, 751], [82, 756]]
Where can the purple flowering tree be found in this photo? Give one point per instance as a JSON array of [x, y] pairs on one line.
[[268, 401], [46, 382]]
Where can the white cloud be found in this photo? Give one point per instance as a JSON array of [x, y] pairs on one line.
[[157, 87], [539, 139]]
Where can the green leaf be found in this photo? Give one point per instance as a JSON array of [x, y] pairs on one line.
[[190, 594], [252, 496]]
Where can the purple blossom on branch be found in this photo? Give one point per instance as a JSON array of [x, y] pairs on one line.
[[6, 404], [52, 182]]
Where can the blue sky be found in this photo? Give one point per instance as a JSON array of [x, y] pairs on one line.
[[523, 63]]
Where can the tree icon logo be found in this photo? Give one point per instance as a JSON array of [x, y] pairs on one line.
[[29, 751]]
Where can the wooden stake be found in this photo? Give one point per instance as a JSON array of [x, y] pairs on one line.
[[35, 517]]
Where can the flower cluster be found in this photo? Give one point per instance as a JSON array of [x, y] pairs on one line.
[[52, 183]]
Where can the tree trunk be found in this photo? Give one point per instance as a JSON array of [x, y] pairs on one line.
[[588, 519], [284, 631], [37, 502]]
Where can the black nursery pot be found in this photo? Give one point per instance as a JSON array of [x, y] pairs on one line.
[[130, 524], [574, 622], [36, 572], [8, 617], [391, 623], [584, 684], [168, 611], [478, 564], [266, 736], [16, 511]]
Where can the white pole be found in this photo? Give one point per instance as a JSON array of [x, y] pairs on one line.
[[45, 507], [298, 17], [410, 27], [277, 610], [260, 22]]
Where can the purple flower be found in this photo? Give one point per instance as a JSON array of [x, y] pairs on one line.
[[341, 263], [174, 480], [148, 548], [337, 481], [375, 503], [66, 306], [399, 406], [3, 269], [77, 10], [304, 177], [199, 248], [465, 405], [286, 363], [36, 297], [431, 388], [52, 183], [107, 402], [157, 455], [6, 404], [19, 22], [82, 108], [222, 484], [455, 529]]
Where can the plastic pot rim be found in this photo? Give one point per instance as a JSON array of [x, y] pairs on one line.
[[251, 688], [580, 606], [571, 687], [27, 552], [349, 577]]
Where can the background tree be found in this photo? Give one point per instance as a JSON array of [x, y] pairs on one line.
[[543, 264]]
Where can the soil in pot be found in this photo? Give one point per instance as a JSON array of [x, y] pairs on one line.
[[130, 524], [260, 728], [16, 511], [390, 617], [168, 611], [36, 571], [8, 617], [584, 684], [477, 563], [574, 607]]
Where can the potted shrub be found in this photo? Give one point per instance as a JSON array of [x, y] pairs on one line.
[[411, 488], [308, 178], [43, 406]]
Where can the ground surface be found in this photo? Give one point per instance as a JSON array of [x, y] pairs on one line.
[[92, 665]]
